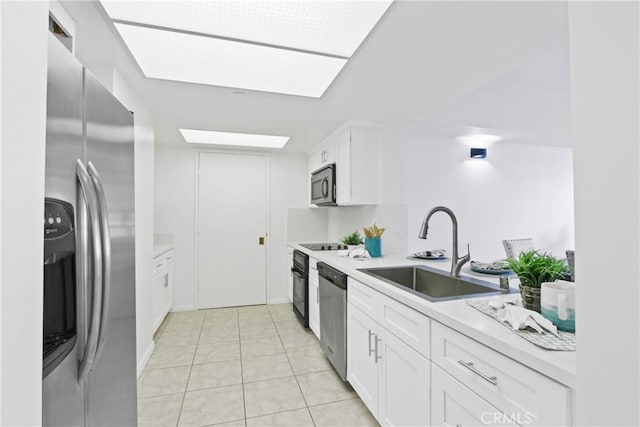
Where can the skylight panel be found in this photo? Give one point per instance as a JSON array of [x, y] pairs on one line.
[[192, 58], [329, 27], [196, 136]]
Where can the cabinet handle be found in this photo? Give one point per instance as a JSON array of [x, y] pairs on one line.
[[469, 366], [318, 295], [377, 341], [370, 349]]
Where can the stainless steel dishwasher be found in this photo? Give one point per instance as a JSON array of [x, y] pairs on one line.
[[333, 317]]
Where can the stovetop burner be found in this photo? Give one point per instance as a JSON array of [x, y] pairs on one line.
[[324, 246]]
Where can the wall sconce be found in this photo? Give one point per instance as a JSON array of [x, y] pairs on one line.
[[478, 153]]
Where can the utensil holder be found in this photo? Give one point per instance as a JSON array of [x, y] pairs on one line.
[[373, 245]]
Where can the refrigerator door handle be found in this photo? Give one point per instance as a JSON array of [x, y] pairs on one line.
[[106, 256], [91, 201]]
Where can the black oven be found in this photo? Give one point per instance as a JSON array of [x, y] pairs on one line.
[[323, 186], [300, 272]]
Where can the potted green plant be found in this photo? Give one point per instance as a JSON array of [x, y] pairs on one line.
[[353, 240], [372, 241], [533, 269]]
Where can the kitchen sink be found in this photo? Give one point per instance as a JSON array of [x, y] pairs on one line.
[[435, 285]]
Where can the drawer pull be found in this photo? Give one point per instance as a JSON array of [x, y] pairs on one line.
[[469, 366], [370, 349], [376, 349]]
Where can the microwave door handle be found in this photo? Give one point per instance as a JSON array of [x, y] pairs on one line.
[[106, 259], [91, 201], [325, 188]]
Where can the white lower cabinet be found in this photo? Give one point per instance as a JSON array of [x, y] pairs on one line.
[[410, 370], [162, 293], [390, 377], [403, 383], [314, 298], [521, 393], [362, 370], [453, 404]]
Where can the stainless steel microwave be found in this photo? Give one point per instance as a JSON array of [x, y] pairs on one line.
[[323, 186]]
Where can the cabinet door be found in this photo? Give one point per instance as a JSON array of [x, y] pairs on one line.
[[403, 383], [314, 302], [290, 274], [455, 405], [343, 167], [329, 154], [362, 371], [314, 161]]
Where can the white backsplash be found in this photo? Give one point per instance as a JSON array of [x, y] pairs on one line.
[[307, 225], [344, 220]]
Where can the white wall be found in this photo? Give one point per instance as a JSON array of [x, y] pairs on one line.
[[517, 191], [288, 188], [23, 53], [605, 114], [175, 197]]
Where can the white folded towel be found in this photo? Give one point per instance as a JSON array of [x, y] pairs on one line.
[[359, 253], [343, 252], [521, 318]]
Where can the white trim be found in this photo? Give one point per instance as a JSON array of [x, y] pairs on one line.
[[62, 18], [284, 300], [184, 307], [197, 224], [145, 358]]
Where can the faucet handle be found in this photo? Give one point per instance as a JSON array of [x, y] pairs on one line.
[[467, 257]]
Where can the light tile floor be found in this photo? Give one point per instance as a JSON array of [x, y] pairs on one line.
[[243, 366]]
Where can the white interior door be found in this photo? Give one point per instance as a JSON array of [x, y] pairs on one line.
[[232, 218]]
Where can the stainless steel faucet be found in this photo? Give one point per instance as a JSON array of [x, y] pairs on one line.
[[456, 263]]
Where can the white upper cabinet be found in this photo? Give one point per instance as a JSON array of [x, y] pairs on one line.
[[354, 150], [357, 166]]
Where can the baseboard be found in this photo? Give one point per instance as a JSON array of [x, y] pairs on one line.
[[186, 307], [284, 300], [145, 358]]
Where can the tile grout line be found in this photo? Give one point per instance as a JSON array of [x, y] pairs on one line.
[[186, 387], [244, 396], [294, 373]]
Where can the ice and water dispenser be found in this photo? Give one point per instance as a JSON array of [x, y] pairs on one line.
[[59, 315]]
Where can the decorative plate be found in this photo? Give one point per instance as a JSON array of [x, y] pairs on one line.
[[433, 254], [496, 268]]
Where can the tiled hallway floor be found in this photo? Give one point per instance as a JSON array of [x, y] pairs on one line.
[[245, 366]]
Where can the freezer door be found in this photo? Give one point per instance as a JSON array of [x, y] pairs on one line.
[[111, 384], [62, 396]]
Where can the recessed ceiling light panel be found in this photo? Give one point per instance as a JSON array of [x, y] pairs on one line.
[[333, 27], [191, 58], [196, 136]]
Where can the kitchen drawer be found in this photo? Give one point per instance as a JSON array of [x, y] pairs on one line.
[[407, 324], [453, 404], [511, 387], [363, 297], [162, 263]]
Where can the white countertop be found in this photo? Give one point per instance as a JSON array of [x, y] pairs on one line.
[[160, 248], [558, 365]]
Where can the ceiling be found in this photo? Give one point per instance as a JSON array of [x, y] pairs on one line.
[[440, 67]]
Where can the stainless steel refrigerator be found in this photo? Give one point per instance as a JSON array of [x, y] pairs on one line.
[[89, 337]]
